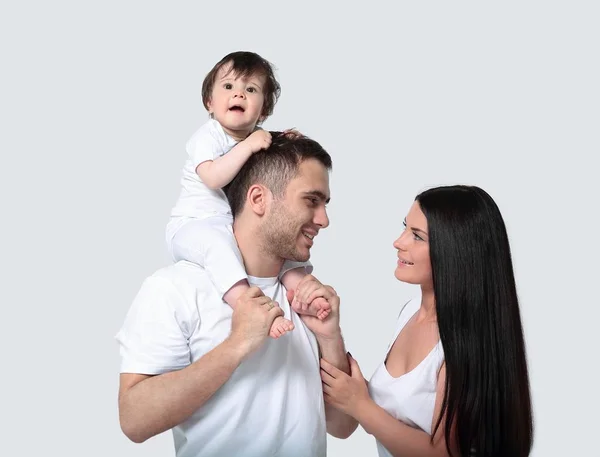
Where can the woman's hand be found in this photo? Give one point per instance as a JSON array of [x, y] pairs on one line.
[[349, 394]]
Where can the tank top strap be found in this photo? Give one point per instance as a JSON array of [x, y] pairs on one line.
[[406, 312]]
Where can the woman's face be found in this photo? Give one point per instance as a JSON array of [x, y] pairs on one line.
[[414, 264]]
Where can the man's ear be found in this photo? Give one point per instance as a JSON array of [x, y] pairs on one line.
[[258, 198]]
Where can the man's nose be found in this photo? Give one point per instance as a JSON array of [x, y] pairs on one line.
[[321, 217]]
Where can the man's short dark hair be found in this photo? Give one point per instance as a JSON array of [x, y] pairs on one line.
[[246, 64], [274, 167]]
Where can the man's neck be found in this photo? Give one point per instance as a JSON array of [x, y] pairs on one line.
[[258, 261]]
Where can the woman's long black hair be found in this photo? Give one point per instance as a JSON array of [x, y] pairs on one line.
[[486, 395]]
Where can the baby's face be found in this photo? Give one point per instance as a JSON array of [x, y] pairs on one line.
[[236, 102]]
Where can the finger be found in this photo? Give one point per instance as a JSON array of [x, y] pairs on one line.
[[326, 389], [275, 312], [307, 288], [304, 306], [296, 305], [270, 304], [290, 296], [330, 399], [330, 369], [327, 378], [354, 368], [254, 292], [319, 292], [262, 302]]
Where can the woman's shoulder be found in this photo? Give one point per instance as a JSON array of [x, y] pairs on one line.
[[410, 306]]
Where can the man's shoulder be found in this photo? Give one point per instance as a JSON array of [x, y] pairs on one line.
[[182, 285], [181, 273]]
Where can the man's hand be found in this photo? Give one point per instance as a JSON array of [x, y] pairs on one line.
[[252, 319], [331, 345], [259, 140], [309, 289]]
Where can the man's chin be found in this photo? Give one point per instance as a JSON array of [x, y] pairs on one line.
[[300, 256]]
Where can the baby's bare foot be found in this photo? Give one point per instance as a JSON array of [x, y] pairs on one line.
[[280, 327], [319, 308]]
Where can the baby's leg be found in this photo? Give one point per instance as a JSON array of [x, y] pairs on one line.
[[318, 307], [211, 244]]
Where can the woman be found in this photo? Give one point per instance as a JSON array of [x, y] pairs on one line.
[[454, 380]]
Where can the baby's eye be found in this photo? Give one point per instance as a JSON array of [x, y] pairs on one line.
[[228, 86], [251, 89]]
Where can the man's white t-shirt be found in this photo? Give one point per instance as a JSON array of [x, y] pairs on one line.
[[273, 403], [197, 200]]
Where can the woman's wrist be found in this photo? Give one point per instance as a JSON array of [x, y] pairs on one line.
[[364, 410]]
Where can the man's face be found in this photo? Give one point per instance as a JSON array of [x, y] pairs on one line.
[[294, 220]]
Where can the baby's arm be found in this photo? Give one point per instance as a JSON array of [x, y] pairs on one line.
[[221, 171]]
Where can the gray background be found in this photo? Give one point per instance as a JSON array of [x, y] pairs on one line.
[[99, 98]]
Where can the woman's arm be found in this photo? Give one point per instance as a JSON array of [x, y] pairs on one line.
[[350, 394]]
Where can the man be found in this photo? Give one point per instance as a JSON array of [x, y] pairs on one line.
[[192, 364]]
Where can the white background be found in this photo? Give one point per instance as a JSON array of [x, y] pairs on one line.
[[99, 98]]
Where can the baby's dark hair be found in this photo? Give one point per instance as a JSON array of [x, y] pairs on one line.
[[246, 64]]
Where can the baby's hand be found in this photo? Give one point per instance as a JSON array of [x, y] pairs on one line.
[[261, 139], [292, 133]]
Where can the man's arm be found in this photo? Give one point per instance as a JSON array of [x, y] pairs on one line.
[[149, 405], [339, 424], [331, 346]]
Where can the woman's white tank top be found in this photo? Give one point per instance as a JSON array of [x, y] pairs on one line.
[[409, 398]]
